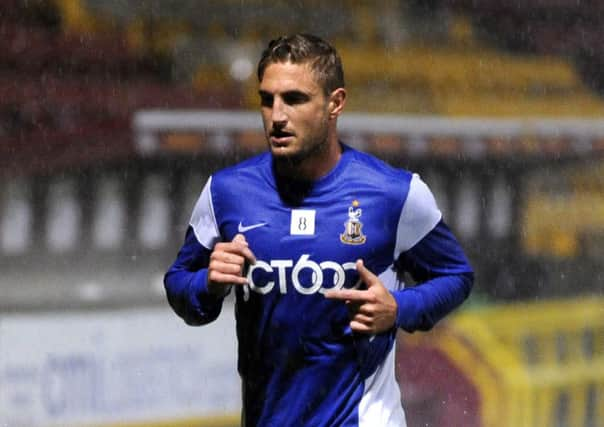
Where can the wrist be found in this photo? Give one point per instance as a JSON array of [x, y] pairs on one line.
[[217, 290]]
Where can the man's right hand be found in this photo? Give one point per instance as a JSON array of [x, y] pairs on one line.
[[227, 265]]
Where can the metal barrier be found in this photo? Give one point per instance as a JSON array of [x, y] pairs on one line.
[[534, 364]]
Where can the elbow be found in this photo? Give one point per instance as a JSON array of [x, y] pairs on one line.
[[194, 321], [185, 301], [176, 294], [170, 287], [467, 282]]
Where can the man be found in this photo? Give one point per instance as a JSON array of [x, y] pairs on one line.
[[312, 236]]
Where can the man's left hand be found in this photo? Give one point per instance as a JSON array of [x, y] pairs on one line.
[[373, 310]]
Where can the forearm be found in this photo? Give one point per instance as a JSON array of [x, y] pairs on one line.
[[444, 276], [188, 296], [186, 284], [421, 307]]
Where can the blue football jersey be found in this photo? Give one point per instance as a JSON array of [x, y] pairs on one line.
[[300, 363]]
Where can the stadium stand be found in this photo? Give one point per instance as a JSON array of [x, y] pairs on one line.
[[49, 78], [67, 78], [481, 82], [564, 28]]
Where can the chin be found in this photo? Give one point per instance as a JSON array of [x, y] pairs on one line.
[[283, 151], [286, 157]]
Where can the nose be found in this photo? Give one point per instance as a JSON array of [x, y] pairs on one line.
[[278, 115]]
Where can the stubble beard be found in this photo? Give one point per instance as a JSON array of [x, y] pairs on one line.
[[311, 150], [293, 165]]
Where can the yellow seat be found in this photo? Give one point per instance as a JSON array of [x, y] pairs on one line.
[[470, 82]]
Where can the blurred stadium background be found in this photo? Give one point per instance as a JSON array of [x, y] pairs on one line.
[[113, 113]]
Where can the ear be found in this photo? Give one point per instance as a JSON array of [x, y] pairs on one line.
[[337, 100]]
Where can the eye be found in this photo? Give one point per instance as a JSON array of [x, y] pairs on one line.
[[293, 98], [266, 99]]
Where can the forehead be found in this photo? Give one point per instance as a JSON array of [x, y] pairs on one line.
[[287, 76]]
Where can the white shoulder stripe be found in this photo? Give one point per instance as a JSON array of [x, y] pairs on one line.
[[390, 280], [203, 220], [419, 216]]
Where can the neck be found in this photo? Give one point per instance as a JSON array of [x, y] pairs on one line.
[[313, 166]]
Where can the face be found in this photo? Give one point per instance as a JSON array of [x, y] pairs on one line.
[[295, 111]]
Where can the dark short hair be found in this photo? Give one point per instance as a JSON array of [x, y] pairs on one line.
[[306, 48]]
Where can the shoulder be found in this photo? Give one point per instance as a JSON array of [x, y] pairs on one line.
[[242, 184], [404, 191], [247, 171], [419, 215], [368, 164], [387, 178]]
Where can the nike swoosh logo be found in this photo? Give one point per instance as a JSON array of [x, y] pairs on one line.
[[242, 229]]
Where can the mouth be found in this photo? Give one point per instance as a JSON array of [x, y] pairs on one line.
[[280, 138]]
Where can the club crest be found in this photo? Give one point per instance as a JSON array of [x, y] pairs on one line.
[[353, 233]]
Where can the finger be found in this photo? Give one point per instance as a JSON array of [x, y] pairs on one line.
[[228, 257], [361, 318], [249, 255], [246, 251], [226, 267], [236, 247], [366, 309], [366, 275], [360, 327], [227, 279], [240, 238], [348, 295]]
